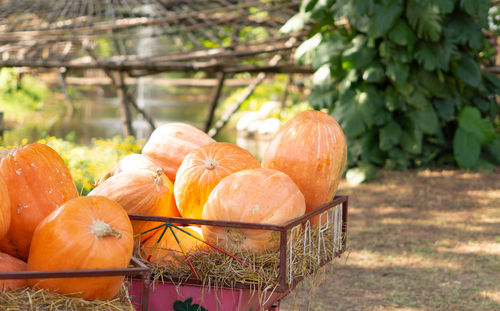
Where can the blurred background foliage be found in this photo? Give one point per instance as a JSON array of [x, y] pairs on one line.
[[406, 80]]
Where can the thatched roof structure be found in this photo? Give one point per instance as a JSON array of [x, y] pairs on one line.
[[143, 37]]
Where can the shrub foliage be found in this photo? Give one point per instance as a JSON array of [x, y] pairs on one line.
[[404, 79]]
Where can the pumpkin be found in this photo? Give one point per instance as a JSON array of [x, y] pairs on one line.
[[131, 162], [4, 209], [84, 233], [9, 263], [260, 195], [170, 143], [202, 169], [166, 250], [141, 192], [311, 149], [38, 182]]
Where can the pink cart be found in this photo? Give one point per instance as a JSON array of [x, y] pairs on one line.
[[327, 240]]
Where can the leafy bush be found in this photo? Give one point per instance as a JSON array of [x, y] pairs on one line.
[[403, 78]]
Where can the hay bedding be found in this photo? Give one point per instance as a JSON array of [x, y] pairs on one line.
[[41, 300]]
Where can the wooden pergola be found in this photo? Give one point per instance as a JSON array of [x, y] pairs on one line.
[[220, 37]]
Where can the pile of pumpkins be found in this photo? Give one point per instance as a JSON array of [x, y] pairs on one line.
[[181, 172]]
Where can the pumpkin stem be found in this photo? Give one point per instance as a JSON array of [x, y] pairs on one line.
[[157, 178], [210, 164], [100, 229]]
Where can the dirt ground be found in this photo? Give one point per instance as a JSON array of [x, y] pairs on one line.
[[417, 240]]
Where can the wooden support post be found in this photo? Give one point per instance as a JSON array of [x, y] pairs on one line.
[[246, 94], [215, 99], [126, 115], [70, 109], [284, 97]]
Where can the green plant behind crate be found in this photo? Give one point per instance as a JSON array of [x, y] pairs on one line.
[[403, 78]]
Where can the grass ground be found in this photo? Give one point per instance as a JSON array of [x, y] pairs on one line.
[[417, 240]]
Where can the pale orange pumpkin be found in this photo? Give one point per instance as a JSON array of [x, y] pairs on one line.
[[9, 263], [141, 192], [38, 182], [84, 233], [130, 162], [4, 209], [166, 250], [170, 143], [202, 169], [263, 196], [311, 149]]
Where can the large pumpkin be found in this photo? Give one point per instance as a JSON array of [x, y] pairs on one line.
[[311, 149], [4, 209], [38, 182], [130, 162], [166, 251], [84, 233], [9, 263], [141, 192], [170, 143], [259, 195], [202, 169]]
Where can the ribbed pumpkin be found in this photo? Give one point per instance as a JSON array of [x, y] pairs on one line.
[[9, 263], [311, 149], [167, 251], [141, 192], [4, 209], [170, 143], [202, 169], [84, 233], [38, 182], [259, 195]]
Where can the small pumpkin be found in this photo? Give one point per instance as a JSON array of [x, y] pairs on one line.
[[259, 195], [4, 209], [170, 143], [164, 250], [38, 182], [9, 263], [202, 169], [312, 150], [141, 192], [130, 162], [84, 233]]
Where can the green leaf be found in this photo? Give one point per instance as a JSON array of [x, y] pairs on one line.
[[425, 119], [370, 149], [435, 55], [492, 82], [433, 86], [486, 166], [390, 135], [323, 96], [418, 100], [296, 23], [445, 6], [463, 29], [466, 149], [477, 8], [187, 306], [397, 72], [374, 73], [411, 140], [425, 19], [359, 54], [401, 34], [445, 108], [364, 172], [308, 5], [493, 147], [330, 46], [469, 71], [393, 100], [482, 104], [470, 121], [385, 14]]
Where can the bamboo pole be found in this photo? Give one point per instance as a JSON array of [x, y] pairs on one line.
[[125, 113], [215, 99]]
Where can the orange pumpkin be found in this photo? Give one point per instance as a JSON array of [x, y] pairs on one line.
[[4, 209], [170, 143], [9, 263], [141, 192], [38, 182], [311, 149], [202, 169], [166, 250], [84, 233], [131, 162], [259, 195]]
